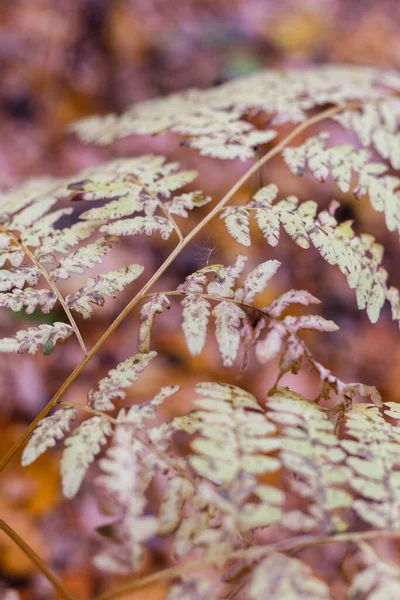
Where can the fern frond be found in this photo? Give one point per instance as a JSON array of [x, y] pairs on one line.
[[191, 588], [149, 310], [140, 226], [111, 387], [341, 161], [376, 125], [214, 120], [170, 515], [96, 288], [84, 258], [312, 451], [379, 579], [18, 277], [80, 451], [358, 257], [49, 430], [28, 300], [122, 480], [233, 432], [374, 454], [31, 339], [296, 580]]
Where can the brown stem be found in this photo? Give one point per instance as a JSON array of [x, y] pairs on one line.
[[182, 244], [292, 545], [39, 562]]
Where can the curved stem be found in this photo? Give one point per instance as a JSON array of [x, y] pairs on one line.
[[52, 285], [39, 562], [182, 244], [292, 545]]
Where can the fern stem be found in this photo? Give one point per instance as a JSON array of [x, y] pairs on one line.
[[177, 250], [39, 562], [52, 285], [290, 545], [89, 409]]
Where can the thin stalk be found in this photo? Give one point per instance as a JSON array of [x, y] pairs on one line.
[[39, 562], [290, 545], [182, 244], [52, 285]]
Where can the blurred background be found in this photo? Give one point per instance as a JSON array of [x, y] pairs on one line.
[[61, 60]]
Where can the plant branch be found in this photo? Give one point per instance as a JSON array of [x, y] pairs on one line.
[[39, 562], [290, 545], [177, 250], [51, 284]]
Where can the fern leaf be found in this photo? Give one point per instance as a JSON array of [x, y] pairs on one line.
[[282, 302], [28, 300], [83, 258], [228, 325], [107, 284], [296, 580], [195, 316], [49, 430], [257, 280], [122, 479], [111, 387], [80, 451], [189, 589], [237, 223], [311, 450], [177, 492], [179, 205], [140, 226], [18, 277], [374, 454], [137, 414], [149, 310], [62, 240], [226, 278], [233, 432], [379, 579], [30, 340]]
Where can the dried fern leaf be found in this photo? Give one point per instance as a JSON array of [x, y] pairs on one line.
[[18, 277], [140, 226], [30, 340], [282, 302], [179, 205], [122, 479], [195, 316], [28, 300], [83, 258], [170, 515], [80, 451], [49, 430], [358, 257], [283, 578], [123, 376], [96, 288], [228, 326], [341, 161], [380, 579], [191, 588], [155, 305], [233, 434], [312, 451], [374, 455], [136, 415], [257, 280], [214, 120], [376, 125], [226, 277]]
